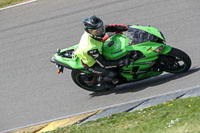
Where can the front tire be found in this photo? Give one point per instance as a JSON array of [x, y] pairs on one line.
[[176, 61], [79, 79]]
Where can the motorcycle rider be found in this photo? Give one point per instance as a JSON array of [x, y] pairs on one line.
[[90, 49]]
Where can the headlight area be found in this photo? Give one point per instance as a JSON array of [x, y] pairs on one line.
[[159, 49]]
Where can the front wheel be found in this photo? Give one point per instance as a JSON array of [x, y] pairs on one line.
[[176, 61], [86, 82]]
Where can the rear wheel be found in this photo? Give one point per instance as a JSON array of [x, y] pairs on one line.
[[176, 61], [84, 81]]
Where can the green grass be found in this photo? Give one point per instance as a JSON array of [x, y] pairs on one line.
[[4, 3], [179, 116]]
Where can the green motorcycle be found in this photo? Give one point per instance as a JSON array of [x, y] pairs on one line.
[[148, 54]]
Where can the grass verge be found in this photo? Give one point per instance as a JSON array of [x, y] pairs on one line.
[[175, 116], [4, 3]]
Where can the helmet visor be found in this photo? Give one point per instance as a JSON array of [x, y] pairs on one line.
[[97, 32]]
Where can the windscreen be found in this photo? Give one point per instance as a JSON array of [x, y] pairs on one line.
[[139, 36]]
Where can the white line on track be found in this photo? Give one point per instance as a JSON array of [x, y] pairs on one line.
[[186, 89], [23, 3]]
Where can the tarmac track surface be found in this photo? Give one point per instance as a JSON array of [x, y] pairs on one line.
[[30, 89]]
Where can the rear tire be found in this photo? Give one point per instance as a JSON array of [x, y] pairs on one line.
[[176, 61], [77, 77]]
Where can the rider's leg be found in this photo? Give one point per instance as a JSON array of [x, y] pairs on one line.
[[109, 75]]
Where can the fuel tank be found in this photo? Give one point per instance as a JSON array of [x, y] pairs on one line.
[[115, 47]]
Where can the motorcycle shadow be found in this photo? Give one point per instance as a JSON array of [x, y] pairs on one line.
[[143, 84]]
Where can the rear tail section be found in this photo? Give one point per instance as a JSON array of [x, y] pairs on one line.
[[65, 58]]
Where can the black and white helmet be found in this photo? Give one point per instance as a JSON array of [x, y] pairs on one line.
[[94, 26]]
